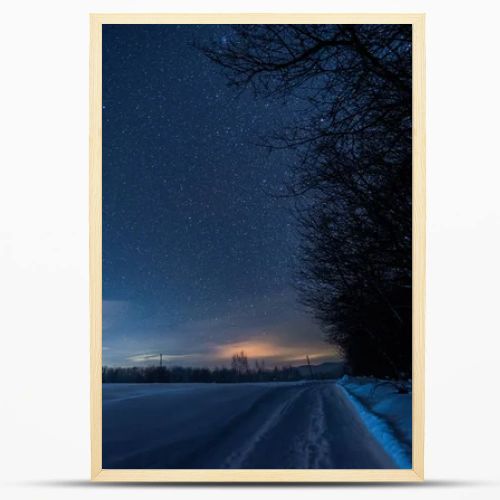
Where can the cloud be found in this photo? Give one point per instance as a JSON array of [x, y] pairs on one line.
[[142, 358], [273, 329]]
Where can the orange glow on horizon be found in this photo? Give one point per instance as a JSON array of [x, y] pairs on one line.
[[262, 350]]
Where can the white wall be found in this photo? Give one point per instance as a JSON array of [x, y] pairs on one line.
[[44, 440]]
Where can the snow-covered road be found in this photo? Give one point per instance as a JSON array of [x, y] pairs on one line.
[[276, 425]]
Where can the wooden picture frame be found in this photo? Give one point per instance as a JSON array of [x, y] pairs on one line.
[[418, 253]]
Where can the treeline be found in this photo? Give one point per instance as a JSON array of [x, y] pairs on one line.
[[178, 374]]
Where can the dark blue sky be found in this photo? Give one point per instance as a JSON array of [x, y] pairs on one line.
[[198, 257]]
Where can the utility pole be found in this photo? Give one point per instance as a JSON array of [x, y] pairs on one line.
[[310, 367], [155, 356]]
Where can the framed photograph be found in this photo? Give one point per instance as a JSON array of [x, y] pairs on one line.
[[257, 247]]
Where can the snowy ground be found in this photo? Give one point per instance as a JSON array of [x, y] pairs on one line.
[[385, 411], [265, 425]]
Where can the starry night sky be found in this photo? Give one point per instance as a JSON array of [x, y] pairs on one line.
[[198, 256]]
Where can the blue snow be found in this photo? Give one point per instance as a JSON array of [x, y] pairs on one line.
[[386, 413]]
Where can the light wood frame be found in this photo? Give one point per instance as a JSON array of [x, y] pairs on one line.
[[418, 193]]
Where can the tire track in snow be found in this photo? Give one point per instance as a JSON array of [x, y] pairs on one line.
[[316, 445], [289, 426], [237, 459]]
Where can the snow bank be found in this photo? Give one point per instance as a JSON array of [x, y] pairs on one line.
[[385, 412]]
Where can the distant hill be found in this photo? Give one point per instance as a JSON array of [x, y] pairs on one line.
[[332, 369]]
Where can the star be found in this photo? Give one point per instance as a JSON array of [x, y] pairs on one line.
[[191, 234]]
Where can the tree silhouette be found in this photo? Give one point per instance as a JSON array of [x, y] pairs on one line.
[[352, 178], [239, 363]]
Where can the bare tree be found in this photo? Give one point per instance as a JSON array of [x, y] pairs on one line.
[[352, 179], [239, 363]]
